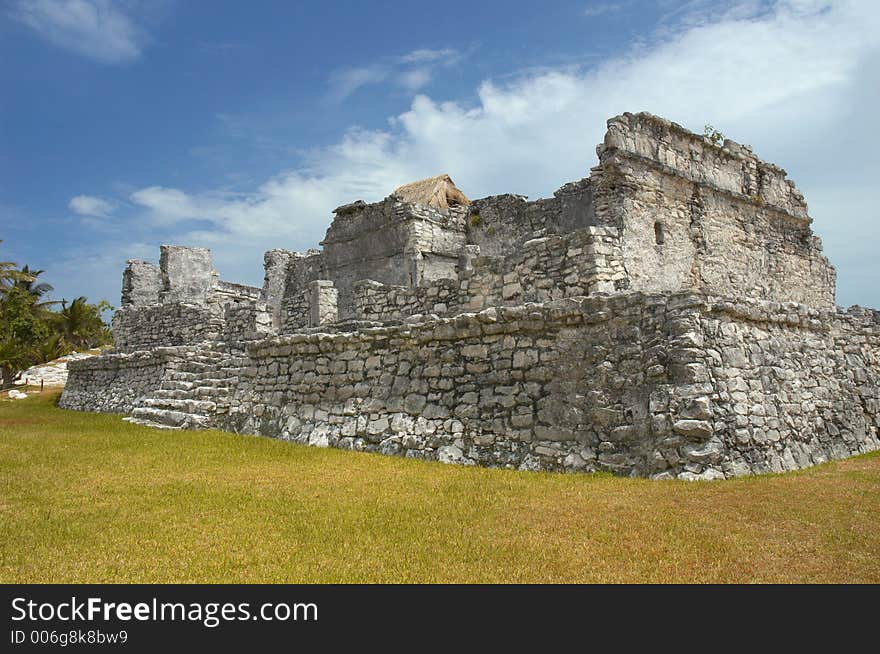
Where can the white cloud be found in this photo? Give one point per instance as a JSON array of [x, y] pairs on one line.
[[414, 79], [601, 8], [410, 71], [424, 55], [795, 82], [99, 29], [345, 82], [88, 205]]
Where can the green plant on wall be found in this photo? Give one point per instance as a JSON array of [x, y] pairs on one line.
[[714, 136], [476, 220]]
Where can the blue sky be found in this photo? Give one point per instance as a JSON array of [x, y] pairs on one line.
[[240, 126]]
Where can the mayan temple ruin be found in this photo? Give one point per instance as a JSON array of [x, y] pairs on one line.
[[669, 316]]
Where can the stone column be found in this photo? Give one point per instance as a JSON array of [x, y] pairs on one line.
[[323, 303]]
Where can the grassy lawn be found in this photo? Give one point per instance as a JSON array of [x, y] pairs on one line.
[[89, 498]]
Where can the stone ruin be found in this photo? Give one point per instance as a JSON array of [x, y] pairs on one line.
[[671, 315]]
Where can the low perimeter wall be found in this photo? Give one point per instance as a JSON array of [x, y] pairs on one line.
[[677, 385], [113, 383]]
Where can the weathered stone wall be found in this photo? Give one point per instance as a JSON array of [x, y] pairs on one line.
[[677, 385], [391, 242], [188, 274], [113, 383], [764, 387], [681, 385], [696, 215], [500, 224], [275, 265], [246, 321], [295, 312], [141, 283], [227, 294], [532, 387], [157, 325], [543, 269], [384, 303]]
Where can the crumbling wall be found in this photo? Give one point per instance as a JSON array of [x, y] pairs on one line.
[[188, 274], [275, 265], [227, 294], [246, 321], [760, 387], [697, 215], [113, 383], [391, 242], [302, 269], [157, 325], [500, 224], [549, 268], [536, 387], [141, 283], [679, 385], [384, 303]]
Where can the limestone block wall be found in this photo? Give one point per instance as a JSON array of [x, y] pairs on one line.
[[295, 312], [764, 387], [141, 283], [544, 269], [246, 322], [112, 383], [552, 387], [548, 268], [682, 385], [391, 242], [188, 274], [500, 224], [383, 303], [226, 294], [157, 325], [275, 265], [696, 215]]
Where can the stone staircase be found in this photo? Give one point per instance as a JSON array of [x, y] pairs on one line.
[[192, 393]]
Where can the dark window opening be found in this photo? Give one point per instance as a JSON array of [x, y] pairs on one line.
[[658, 233]]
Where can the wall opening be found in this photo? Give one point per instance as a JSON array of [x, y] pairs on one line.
[[659, 237]]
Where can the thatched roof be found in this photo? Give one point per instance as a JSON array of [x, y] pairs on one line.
[[439, 192]]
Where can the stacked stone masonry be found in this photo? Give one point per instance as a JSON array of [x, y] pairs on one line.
[[672, 315]]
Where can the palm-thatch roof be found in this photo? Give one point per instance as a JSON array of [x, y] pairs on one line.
[[439, 192]]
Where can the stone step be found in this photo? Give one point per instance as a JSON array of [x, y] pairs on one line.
[[176, 385], [183, 405], [149, 423], [196, 392], [179, 375], [220, 392], [171, 418], [195, 366]]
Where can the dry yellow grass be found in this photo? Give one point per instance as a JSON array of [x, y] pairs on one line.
[[89, 498]]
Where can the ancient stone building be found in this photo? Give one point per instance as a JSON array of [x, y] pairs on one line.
[[670, 315]]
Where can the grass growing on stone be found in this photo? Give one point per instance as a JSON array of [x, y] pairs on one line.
[[89, 498]]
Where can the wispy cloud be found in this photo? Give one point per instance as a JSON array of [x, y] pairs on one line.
[[595, 9], [411, 71], [102, 30], [88, 205]]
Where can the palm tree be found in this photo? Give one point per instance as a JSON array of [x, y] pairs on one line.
[[53, 347], [27, 280], [9, 274], [80, 323], [14, 357]]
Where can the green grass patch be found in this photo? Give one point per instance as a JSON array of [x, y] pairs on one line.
[[90, 498]]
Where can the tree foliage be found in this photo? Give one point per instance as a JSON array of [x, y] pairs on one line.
[[34, 330]]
